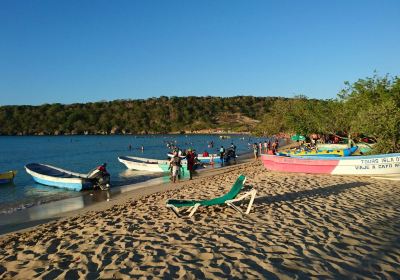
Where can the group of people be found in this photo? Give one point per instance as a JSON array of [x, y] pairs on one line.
[[192, 160], [175, 163], [269, 147]]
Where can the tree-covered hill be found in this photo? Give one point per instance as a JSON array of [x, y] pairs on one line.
[[154, 115], [369, 107]]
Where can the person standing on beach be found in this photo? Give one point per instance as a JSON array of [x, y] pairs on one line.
[[233, 147], [255, 150], [190, 157], [175, 165], [221, 154], [274, 148], [276, 144]]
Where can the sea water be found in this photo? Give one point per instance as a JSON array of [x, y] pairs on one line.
[[83, 153]]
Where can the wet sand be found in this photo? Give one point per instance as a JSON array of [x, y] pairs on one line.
[[301, 226]]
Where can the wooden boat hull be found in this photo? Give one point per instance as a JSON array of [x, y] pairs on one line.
[[56, 177], [377, 165], [7, 177]]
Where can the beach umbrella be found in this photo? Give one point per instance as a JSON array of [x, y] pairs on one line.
[[298, 137]]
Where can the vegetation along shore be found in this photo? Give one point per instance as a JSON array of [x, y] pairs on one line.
[[369, 107]]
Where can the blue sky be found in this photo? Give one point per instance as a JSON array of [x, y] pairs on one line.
[[81, 51]]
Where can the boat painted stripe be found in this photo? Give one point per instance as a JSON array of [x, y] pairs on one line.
[[397, 155], [64, 185], [5, 181], [299, 166]]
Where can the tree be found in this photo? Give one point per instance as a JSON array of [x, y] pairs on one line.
[[373, 108]]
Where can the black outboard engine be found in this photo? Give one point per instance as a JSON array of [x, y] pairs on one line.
[[99, 179], [230, 154]]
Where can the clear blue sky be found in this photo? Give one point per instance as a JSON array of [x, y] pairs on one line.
[[79, 51]]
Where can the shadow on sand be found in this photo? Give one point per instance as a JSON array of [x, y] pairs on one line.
[[314, 193]]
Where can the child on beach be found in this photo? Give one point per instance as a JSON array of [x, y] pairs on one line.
[[212, 160]]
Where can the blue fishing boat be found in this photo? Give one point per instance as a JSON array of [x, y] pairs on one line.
[[56, 177]]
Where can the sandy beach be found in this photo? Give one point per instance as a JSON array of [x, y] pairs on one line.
[[301, 226]]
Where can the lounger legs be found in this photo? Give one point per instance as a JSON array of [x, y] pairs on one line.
[[252, 195], [194, 209], [191, 210], [174, 209]]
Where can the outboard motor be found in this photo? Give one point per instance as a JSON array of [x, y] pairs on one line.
[[99, 179], [229, 155]]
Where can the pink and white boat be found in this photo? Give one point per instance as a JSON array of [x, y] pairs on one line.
[[382, 166]]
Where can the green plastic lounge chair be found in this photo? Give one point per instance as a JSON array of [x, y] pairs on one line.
[[192, 205]]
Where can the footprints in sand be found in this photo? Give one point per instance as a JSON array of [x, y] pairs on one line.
[[301, 227]]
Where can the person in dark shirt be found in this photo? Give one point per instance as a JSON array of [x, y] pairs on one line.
[[102, 168], [190, 157]]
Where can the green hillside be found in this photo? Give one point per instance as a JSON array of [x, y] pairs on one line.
[[155, 115]]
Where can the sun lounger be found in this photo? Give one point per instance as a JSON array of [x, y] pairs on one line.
[[190, 206]]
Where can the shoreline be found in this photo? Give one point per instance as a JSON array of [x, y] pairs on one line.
[[300, 226], [141, 134], [29, 217], [79, 155]]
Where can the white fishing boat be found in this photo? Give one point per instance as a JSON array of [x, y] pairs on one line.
[[145, 164], [215, 158]]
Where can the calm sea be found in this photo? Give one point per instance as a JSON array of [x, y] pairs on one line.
[[83, 153]]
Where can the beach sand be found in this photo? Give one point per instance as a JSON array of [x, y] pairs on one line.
[[301, 226]]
